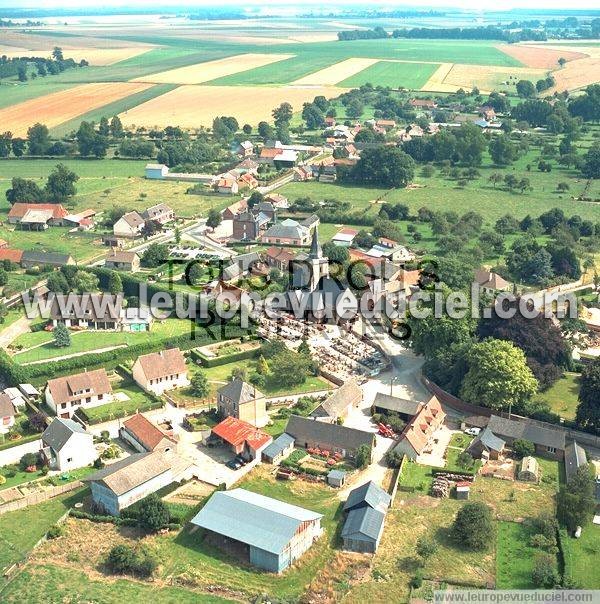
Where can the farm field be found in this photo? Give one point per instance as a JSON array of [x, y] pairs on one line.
[[194, 106], [395, 74], [58, 107], [204, 72], [336, 73]]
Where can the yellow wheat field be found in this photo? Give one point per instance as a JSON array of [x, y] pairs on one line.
[[335, 73], [211, 70], [58, 107], [195, 106]]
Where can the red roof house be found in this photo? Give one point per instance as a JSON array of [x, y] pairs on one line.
[[243, 438]]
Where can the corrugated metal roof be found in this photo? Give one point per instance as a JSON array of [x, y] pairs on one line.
[[364, 524], [369, 494], [281, 443], [259, 521]]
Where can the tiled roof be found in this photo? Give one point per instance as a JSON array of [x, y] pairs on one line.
[[63, 389], [350, 393], [162, 364], [102, 307], [575, 458], [145, 432], [12, 255], [18, 210], [6, 407], [363, 524]]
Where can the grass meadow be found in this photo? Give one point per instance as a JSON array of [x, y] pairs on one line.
[[394, 75]]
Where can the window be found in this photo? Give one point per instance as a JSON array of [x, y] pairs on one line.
[[551, 449], [69, 459]]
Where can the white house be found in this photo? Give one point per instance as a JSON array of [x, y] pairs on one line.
[[161, 371], [121, 484], [129, 226], [66, 394], [7, 414], [67, 446]]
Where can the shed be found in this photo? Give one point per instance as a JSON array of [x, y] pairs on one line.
[[29, 391], [487, 445], [362, 530], [270, 533], [462, 490], [368, 495], [336, 478], [529, 470], [279, 449], [156, 171]]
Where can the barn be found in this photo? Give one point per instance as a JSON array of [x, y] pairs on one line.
[[269, 533]]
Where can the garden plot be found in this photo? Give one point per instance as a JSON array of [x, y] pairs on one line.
[[211, 70]]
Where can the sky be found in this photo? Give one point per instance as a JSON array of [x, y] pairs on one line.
[[304, 4]]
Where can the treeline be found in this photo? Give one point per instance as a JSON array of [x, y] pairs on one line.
[[489, 32], [20, 66]]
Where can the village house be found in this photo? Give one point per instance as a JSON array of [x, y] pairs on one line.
[[83, 221], [99, 312], [242, 437], [267, 209], [136, 319], [366, 508], [310, 433], [158, 372], [279, 258], [423, 104], [418, 432], [385, 124], [303, 173], [122, 483], [17, 398], [243, 401], [344, 237], [404, 408], [160, 213], [37, 216], [7, 413], [243, 148], [120, 260], [65, 395], [67, 446], [575, 458], [287, 232], [248, 181], [242, 266], [146, 437], [227, 186], [490, 282], [486, 445], [30, 258], [548, 442], [248, 226], [248, 166], [279, 202], [231, 211], [129, 226], [270, 534], [339, 404]]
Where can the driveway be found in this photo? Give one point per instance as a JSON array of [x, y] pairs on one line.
[[19, 327], [434, 454]]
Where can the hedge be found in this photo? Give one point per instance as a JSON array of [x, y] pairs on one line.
[[209, 362], [155, 404], [17, 374], [21, 441]]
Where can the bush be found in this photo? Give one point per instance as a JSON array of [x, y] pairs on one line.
[[363, 456], [473, 527], [393, 458], [417, 580], [153, 513], [523, 448], [127, 559], [29, 460], [544, 574], [54, 532]]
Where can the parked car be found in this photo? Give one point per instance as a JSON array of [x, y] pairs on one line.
[[473, 431], [241, 460], [234, 464]]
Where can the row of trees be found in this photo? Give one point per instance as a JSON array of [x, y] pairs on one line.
[[59, 187]]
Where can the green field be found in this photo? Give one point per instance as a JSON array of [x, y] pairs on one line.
[[394, 75], [514, 556], [581, 557], [562, 395]]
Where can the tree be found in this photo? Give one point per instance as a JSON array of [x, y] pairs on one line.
[[498, 376], [363, 456], [103, 126], [588, 409], [214, 218], [153, 513], [502, 151], [18, 146], [473, 527], [57, 54], [23, 190], [38, 139], [3, 312], [60, 185], [523, 448], [265, 131], [127, 559], [495, 178], [525, 89], [544, 574], [116, 127], [115, 284], [282, 115], [62, 337], [576, 502], [199, 385], [591, 162], [57, 283], [84, 282], [464, 460], [562, 61], [384, 166], [426, 547], [155, 255], [313, 116], [355, 108]]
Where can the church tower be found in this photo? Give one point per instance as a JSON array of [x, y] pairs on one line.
[[319, 264]]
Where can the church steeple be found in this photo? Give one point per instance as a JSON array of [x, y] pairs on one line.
[[316, 251]]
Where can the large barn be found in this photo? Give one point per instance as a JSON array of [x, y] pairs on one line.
[[271, 534]]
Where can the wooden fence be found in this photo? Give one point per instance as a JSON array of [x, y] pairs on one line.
[[33, 498]]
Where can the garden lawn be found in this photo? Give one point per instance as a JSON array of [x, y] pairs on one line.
[[22, 529], [514, 556], [417, 477], [89, 340], [562, 396], [581, 557], [39, 582]]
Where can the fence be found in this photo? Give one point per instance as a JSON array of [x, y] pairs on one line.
[[33, 498]]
